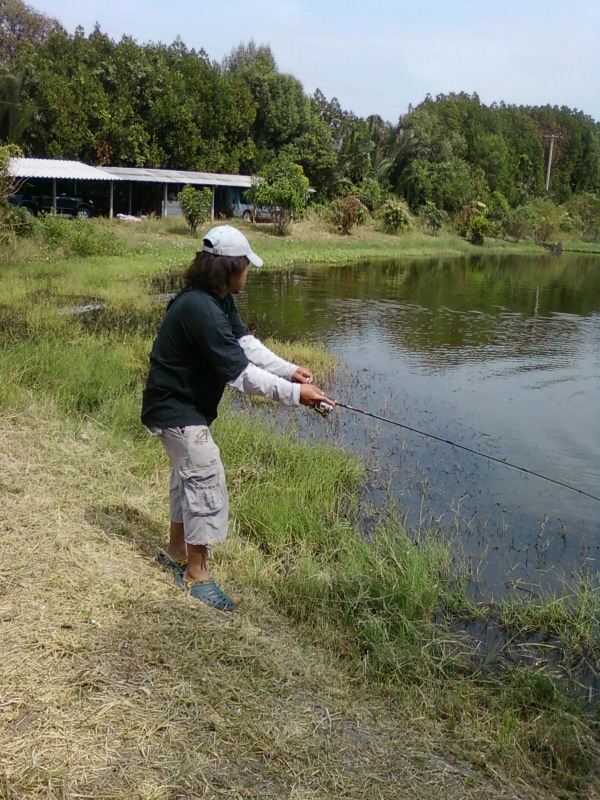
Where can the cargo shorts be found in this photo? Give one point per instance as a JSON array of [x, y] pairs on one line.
[[197, 491]]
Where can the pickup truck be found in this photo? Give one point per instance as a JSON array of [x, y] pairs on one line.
[[66, 205]]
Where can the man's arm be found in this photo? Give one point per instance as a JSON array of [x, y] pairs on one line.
[[255, 380], [262, 357]]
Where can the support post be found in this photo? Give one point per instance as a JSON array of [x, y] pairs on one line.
[[129, 206], [111, 193], [165, 199], [212, 208], [54, 195], [552, 137], [549, 163]]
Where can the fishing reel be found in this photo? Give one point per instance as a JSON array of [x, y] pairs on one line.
[[323, 408]]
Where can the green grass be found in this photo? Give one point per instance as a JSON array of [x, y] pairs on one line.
[[154, 244], [582, 247], [372, 608]]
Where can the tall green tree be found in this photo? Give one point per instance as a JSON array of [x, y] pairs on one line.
[[281, 186], [286, 121]]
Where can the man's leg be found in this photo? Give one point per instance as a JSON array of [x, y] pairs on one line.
[[197, 554], [197, 568], [176, 549]]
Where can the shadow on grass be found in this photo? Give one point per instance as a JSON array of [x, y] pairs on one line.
[[130, 524]]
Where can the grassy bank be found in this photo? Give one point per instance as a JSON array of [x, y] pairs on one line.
[[169, 243], [338, 676]]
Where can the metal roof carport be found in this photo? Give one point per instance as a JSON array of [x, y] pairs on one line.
[[58, 169], [176, 176]]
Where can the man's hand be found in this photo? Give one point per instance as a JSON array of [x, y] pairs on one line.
[[311, 395], [302, 376]]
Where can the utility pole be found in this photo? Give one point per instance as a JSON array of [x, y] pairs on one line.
[[552, 137]]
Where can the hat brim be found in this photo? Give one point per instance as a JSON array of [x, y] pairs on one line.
[[254, 259]]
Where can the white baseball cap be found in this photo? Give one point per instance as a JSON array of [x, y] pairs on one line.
[[225, 240]]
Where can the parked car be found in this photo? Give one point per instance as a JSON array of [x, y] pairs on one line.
[[238, 207], [66, 205], [264, 214], [251, 213]]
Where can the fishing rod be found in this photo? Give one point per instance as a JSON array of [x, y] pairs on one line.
[[324, 409]]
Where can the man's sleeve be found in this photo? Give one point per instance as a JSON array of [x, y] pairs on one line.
[[262, 357], [254, 380]]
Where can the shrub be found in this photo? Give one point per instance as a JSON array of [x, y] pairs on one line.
[[281, 185], [469, 229], [347, 212], [394, 216], [520, 222], [370, 193], [76, 237], [53, 231], [196, 205], [477, 227], [540, 218], [584, 210], [14, 222], [433, 217], [22, 222], [498, 211]]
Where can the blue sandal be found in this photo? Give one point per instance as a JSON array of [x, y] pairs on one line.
[[167, 563], [207, 592]]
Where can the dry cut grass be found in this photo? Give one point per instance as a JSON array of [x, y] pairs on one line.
[[113, 684]]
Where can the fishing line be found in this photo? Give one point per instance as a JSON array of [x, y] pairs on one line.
[[468, 450]]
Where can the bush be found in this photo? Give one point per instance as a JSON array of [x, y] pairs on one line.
[[498, 212], [22, 222], [520, 222], [472, 223], [370, 193], [347, 212], [196, 205], [394, 216], [281, 185], [540, 218], [76, 237], [477, 227], [15, 222], [584, 211], [433, 217]]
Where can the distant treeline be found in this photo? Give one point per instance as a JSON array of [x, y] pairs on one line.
[[122, 103]]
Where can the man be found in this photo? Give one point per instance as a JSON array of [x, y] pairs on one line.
[[202, 346]]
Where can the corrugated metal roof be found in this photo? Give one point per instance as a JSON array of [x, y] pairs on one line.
[[56, 168], [178, 176]]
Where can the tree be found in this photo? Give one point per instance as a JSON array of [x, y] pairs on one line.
[[15, 113], [120, 103], [196, 205], [394, 216], [346, 213], [283, 186], [434, 217], [21, 23]]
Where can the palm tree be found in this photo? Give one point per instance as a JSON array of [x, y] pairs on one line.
[[16, 113]]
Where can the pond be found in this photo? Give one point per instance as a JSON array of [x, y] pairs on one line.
[[500, 354]]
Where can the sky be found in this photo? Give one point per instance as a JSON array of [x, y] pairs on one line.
[[379, 56]]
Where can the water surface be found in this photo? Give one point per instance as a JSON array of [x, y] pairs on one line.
[[500, 354]]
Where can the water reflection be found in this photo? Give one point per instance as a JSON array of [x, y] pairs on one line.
[[499, 354]]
